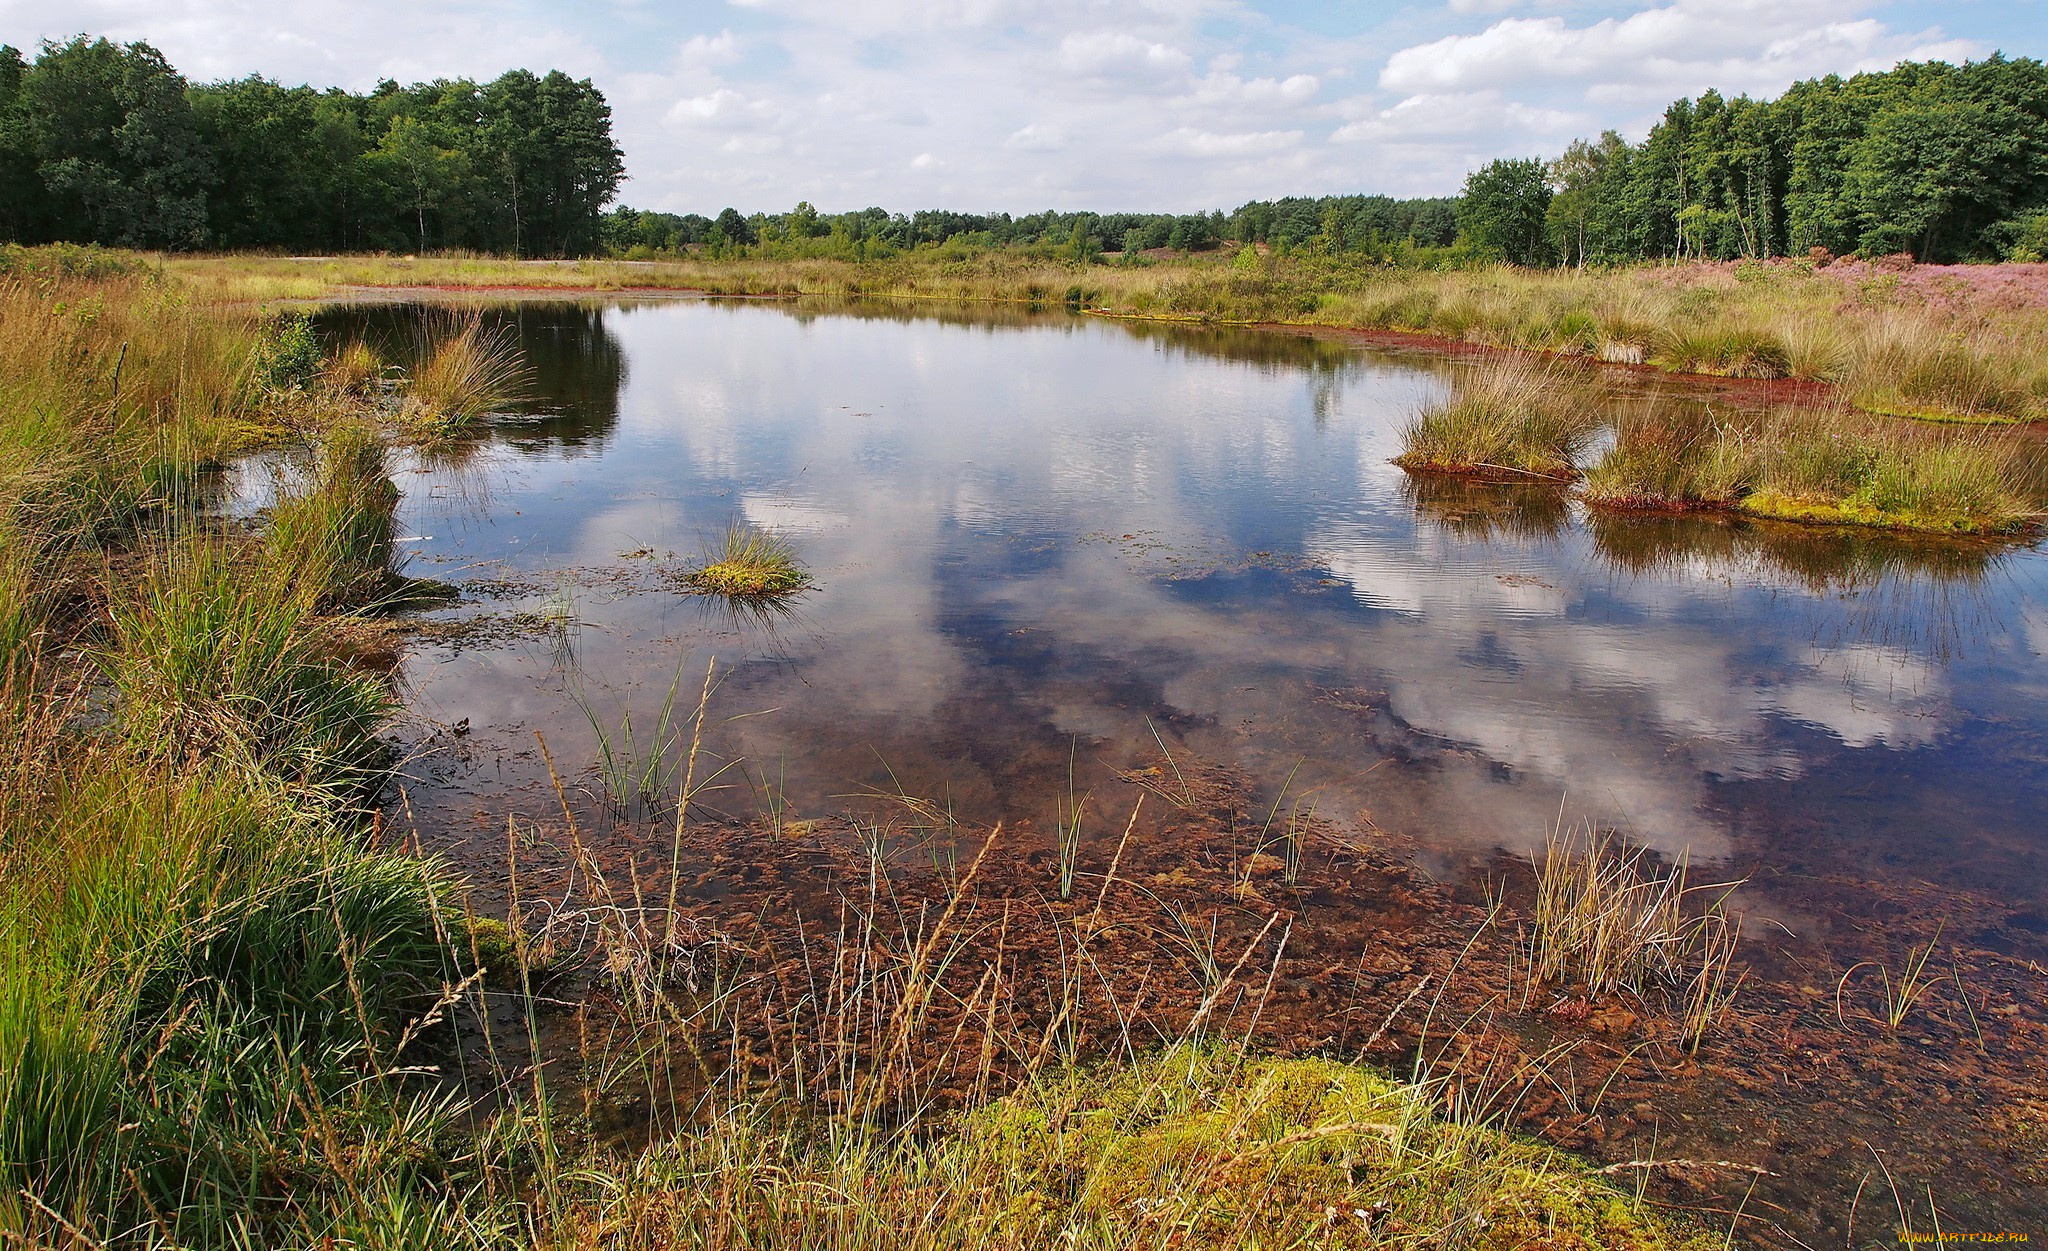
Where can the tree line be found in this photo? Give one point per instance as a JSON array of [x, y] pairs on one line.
[[107, 143], [1945, 162], [1378, 225], [1942, 162]]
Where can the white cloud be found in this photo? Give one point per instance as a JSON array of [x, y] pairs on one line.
[[1116, 54], [1037, 138], [1163, 104], [1202, 143]]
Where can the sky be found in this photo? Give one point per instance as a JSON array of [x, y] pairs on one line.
[[1020, 105]]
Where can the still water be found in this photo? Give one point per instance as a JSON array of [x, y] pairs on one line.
[[1048, 529]]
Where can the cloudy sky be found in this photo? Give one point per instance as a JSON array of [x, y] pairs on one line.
[[1105, 104]]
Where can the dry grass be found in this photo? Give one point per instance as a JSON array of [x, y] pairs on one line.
[[465, 372], [1606, 922]]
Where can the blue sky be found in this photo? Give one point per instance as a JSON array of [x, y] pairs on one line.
[[1029, 104]]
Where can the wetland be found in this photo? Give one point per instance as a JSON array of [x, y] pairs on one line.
[[1133, 636]]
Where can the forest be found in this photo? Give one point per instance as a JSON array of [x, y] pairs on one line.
[[107, 143]]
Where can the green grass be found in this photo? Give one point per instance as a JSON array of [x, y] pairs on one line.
[[332, 540], [749, 563], [213, 660], [1505, 418], [1671, 458], [1826, 468]]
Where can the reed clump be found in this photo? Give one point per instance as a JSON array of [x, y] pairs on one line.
[[464, 374], [1823, 467], [1505, 418], [1666, 459], [1606, 921], [332, 539], [214, 660], [749, 563]]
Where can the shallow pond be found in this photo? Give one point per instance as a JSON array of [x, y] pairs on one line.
[[1045, 542]]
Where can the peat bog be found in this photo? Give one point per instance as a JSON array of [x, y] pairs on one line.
[[1133, 659]]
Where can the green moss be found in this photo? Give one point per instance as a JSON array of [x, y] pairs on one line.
[[749, 563], [1286, 1152], [1857, 512]]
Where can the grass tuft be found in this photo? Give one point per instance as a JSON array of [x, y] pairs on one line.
[[465, 374], [1505, 418], [749, 563]]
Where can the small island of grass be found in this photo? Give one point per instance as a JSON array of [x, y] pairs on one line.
[[749, 563]]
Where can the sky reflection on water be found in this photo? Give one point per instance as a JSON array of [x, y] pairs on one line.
[[1029, 527]]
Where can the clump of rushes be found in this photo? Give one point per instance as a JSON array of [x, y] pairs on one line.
[[354, 368], [465, 373], [749, 563], [1842, 471], [213, 661], [1729, 349], [1507, 418], [1672, 458], [333, 542], [1605, 921]]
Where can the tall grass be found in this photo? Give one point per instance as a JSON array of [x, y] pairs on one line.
[[211, 662], [465, 372], [1832, 467], [332, 540], [1505, 418]]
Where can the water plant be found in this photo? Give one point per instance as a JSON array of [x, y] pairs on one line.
[[465, 372], [749, 563], [1902, 992], [1508, 417], [1604, 920]]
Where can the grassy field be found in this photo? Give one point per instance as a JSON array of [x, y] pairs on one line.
[[227, 1006], [1964, 343]]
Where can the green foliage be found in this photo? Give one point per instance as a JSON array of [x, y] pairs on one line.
[[289, 358], [1504, 210], [106, 143]]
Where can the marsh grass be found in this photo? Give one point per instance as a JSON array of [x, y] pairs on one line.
[[749, 563], [332, 541], [210, 661], [1606, 921], [1509, 418], [1666, 459], [465, 372], [1830, 467]]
